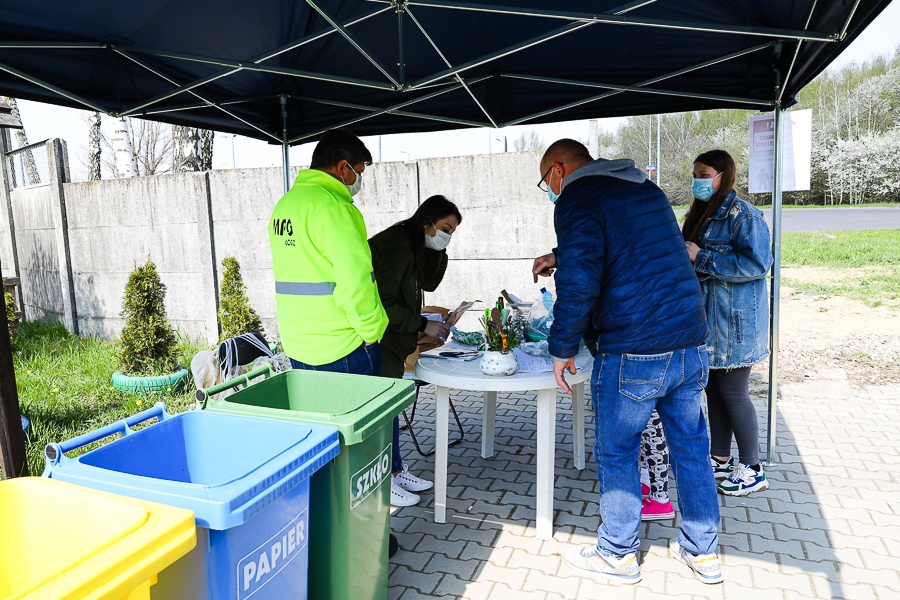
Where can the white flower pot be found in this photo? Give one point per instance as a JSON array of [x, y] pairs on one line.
[[497, 363]]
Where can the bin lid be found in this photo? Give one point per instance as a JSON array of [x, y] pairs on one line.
[[358, 405], [67, 542], [224, 467]]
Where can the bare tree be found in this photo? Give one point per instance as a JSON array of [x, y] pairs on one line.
[[530, 141], [152, 145], [187, 148], [30, 167], [125, 165], [206, 149], [94, 148]]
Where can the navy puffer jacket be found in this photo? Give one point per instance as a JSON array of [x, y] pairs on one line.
[[624, 280]]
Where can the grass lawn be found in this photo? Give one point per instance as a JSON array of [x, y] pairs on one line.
[[871, 259], [64, 385]]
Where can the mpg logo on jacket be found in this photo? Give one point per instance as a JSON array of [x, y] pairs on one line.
[[366, 480], [263, 564]]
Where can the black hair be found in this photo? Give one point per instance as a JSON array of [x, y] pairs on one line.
[[429, 212], [337, 145], [699, 211]]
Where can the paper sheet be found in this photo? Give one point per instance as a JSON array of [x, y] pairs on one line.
[[537, 364]]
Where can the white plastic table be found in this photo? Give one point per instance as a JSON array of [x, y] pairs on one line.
[[467, 376]]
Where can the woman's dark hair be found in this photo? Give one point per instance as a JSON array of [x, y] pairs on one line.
[[337, 145], [429, 212], [699, 211]]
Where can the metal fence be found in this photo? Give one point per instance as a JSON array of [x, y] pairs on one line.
[[28, 166]]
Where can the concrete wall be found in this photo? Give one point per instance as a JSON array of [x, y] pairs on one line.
[[36, 232], [188, 223], [115, 225], [507, 222]]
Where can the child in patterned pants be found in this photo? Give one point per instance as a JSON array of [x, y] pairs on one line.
[[654, 464]]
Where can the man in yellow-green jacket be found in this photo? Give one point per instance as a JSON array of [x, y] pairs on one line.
[[329, 314]]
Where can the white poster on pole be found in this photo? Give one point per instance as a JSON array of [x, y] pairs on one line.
[[795, 169]]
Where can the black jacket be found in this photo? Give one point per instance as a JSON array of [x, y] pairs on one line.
[[393, 260]]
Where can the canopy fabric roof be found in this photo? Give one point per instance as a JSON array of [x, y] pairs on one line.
[[388, 66]]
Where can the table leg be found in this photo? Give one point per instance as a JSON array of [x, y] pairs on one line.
[[578, 425], [441, 423], [546, 451], [487, 424]]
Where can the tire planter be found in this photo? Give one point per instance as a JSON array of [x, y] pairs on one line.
[[147, 385]]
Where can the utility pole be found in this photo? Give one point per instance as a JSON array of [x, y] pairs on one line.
[[658, 165], [13, 461]]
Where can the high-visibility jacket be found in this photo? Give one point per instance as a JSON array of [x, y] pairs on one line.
[[326, 297]]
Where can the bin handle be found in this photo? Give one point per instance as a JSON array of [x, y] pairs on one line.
[[53, 452], [204, 394]]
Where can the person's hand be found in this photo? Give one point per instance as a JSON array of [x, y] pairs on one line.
[[693, 249], [438, 330], [543, 266], [559, 370]]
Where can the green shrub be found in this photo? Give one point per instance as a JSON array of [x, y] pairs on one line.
[[236, 316], [147, 345]]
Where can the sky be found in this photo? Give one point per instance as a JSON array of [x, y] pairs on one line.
[[43, 121]]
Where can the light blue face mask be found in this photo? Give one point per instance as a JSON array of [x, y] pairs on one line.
[[703, 188], [553, 195]]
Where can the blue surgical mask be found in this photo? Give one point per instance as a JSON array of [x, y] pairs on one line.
[[553, 195], [703, 188]]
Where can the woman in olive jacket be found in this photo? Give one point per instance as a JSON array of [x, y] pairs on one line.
[[410, 258]]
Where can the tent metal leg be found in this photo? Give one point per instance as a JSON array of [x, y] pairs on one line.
[[776, 286], [285, 148]]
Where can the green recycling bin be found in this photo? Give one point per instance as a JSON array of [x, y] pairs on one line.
[[350, 497]]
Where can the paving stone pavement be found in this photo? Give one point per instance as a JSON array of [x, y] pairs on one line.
[[826, 528]]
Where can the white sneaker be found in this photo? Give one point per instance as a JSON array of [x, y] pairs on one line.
[[706, 566], [409, 482], [400, 497]]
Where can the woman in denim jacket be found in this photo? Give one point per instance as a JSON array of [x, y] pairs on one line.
[[728, 241]]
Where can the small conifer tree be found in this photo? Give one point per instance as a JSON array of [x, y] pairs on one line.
[[236, 316], [147, 345], [10, 313]]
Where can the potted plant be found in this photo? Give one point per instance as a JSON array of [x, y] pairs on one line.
[[502, 336], [147, 346], [236, 316]]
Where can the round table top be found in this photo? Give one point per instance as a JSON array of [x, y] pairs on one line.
[[467, 375]]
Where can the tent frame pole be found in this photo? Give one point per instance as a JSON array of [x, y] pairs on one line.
[[619, 19], [774, 304], [698, 66], [388, 110], [285, 147]]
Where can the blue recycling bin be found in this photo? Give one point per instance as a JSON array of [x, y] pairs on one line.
[[245, 478]]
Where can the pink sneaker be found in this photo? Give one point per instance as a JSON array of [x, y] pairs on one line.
[[655, 511], [645, 491]]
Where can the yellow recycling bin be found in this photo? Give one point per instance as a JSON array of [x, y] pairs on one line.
[[60, 541]]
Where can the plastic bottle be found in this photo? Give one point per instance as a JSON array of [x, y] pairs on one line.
[[547, 299]]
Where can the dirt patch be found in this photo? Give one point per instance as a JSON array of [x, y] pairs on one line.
[[833, 276], [821, 333]]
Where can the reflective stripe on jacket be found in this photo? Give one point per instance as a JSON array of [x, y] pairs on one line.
[[326, 297]]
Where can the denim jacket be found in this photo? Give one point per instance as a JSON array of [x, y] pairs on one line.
[[734, 258]]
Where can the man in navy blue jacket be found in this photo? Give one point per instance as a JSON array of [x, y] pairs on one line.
[[625, 285]]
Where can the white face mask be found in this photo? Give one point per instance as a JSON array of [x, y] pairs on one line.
[[439, 241], [357, 185]]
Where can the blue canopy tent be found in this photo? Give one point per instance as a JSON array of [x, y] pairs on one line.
[[285, 71]]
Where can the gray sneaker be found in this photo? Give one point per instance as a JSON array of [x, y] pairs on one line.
[[706, 566], [623, 569]]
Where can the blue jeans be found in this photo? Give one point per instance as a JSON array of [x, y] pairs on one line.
[[365, 360], [625, 388]]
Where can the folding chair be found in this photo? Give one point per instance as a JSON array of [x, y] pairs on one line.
[[409, 419]]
